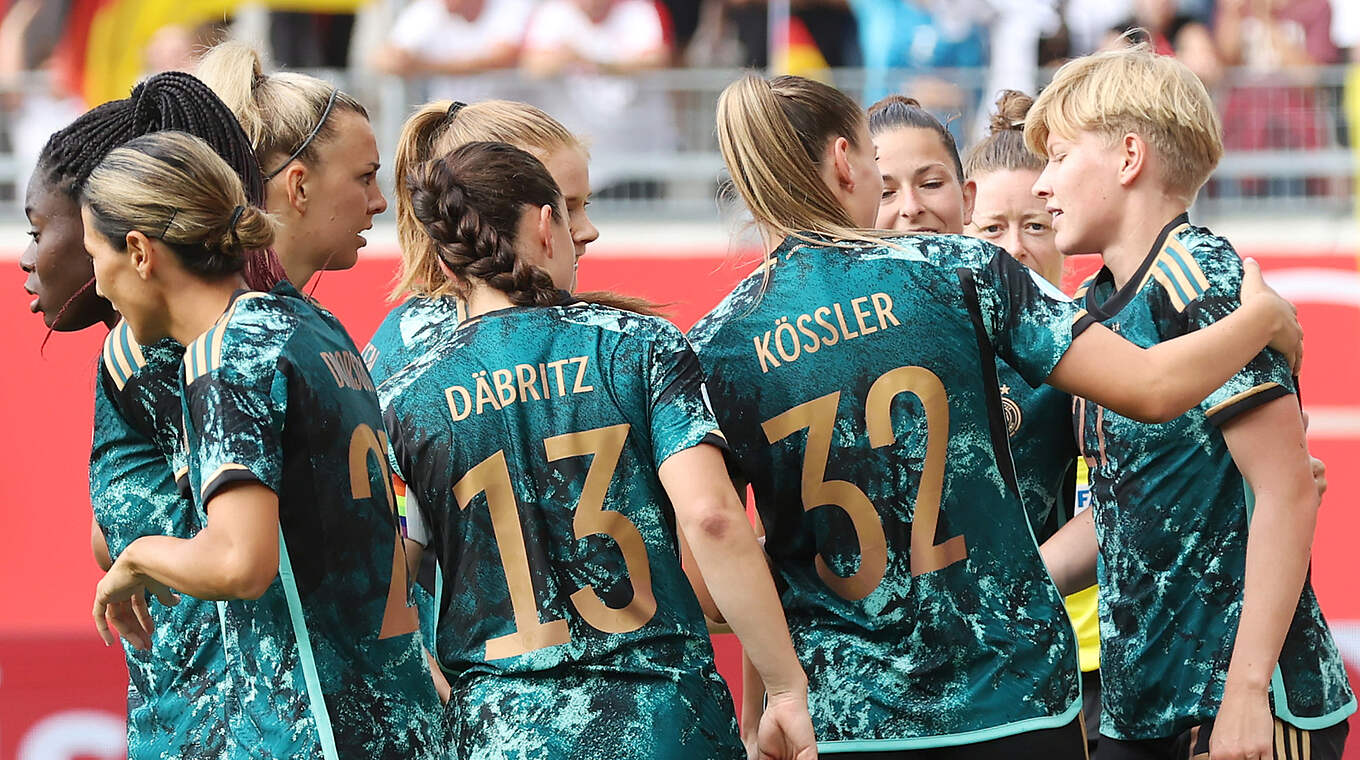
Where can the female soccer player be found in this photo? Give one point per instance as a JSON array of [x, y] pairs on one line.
[[988, 196], [317, 152], [555, 448], [175, 676], [430, 308], [855, 381], [286, 461]]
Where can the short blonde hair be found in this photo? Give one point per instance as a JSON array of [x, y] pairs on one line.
[[1133, 90], [435, 130]]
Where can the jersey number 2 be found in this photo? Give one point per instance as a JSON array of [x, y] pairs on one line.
[[398, 616], [818, 417], [492, 477]]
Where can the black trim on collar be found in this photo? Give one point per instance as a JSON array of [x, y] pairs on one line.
[[1116, 303]]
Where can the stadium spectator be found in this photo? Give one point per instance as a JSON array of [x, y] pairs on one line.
[[452, 41], [1275, 106], [592, 49], [830, 23], [1170, 31]]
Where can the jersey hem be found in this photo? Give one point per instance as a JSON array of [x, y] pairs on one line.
[[952, 740], [1307, 724]]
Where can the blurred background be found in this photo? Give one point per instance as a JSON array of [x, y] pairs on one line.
[[639, 79]]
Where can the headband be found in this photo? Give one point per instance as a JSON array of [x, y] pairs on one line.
[[330, 103], [168, 222]]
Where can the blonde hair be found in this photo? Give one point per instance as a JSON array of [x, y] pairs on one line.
[[1004, 149], [773, 135], [285, 114], [172, 187], [1133, 90], [435, 130]]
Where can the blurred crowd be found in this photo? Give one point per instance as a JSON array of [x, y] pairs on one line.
[[579, 58]]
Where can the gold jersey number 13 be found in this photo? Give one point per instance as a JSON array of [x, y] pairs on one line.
[[492, 477], [818, 417]]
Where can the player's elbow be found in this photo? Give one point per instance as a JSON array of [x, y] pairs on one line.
[[244, 576], [1153, 408], [713, 520]]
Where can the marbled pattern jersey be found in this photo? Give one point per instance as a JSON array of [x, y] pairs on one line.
[[1171, 513], [531, 441], [856, 387], [410, 329], [175, 698], [326, 663], [1039, 423]]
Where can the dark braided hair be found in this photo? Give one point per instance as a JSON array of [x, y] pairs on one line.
[[471, 201], [175, 101], [901, 112]]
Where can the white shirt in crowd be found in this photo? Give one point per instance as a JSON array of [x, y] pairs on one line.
[[632, 28], [426, 28]]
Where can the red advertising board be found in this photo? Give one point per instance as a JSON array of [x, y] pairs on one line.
[[62, 691]]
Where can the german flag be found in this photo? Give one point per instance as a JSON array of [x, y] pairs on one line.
[[104, 50]]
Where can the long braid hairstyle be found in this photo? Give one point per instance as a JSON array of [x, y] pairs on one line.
[[169, 101], [470, 203]]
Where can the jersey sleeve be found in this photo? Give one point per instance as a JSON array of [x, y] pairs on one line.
[[123, 463], [237, 413], [1030, 322], [680, 414], [1266, 377]]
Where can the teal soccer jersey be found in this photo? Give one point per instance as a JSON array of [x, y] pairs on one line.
[[325, 663], [531, 441], [914, 590], [410, 329], [1039, 425], [1171, 513], [175, 695]]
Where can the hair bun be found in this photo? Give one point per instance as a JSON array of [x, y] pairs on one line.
[[894, 100], [1011, 108]]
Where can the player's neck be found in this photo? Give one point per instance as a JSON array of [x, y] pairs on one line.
[[292, 257], [483, 298], [1142, 221], [197, 305]]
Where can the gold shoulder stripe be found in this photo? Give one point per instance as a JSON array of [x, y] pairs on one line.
[[1236, 397], [109, 364], [120, 357], [194, 364], [1178, 274], [213, 359], [1079, 316], [460, 310], [133, 347], [1190, 265], [1169, 287], [717, 434]]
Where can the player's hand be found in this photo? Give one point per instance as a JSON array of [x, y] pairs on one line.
[[120, 604], [1244, 728], [1288, 338], [785, 731]]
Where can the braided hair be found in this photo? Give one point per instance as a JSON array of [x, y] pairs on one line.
[[471, 201], [175, 101]]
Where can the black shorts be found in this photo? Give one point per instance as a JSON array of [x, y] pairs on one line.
[[1290, 744], [1063, 743], [1090, 707]]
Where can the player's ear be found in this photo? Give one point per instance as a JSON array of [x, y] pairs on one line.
[[969, 201], [294, 180], [545, 232], [1133, 158], [141, 253], [840, 161]]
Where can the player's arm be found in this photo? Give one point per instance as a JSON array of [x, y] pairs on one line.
[[1070, 554], [1160, 383], [99, 546], [710, 514], [1268, 446], [235, 556], [752, 704]]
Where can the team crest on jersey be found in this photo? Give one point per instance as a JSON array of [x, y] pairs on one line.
[[1011, 411]]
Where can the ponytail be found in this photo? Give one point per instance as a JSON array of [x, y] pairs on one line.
[[1004, 149]]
